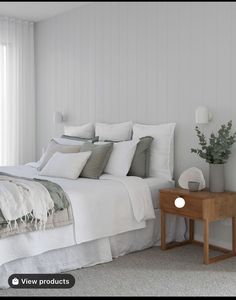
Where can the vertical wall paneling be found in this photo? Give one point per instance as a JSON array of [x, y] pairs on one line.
[[149, 62]]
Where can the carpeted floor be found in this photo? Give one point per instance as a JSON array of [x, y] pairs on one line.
[[152, 272]]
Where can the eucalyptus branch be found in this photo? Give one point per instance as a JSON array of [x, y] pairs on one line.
[[218, 149]]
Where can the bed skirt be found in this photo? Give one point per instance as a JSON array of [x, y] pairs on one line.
[[95, 252]]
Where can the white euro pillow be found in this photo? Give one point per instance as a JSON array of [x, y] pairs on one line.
[[162, 147], [85, 131], [114, 132], [65, 165], [121, 158]]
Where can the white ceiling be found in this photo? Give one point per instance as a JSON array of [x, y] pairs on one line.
[[37, 11]]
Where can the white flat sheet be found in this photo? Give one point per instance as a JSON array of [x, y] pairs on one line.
[[101, 208], [139, 194], [155, 184]]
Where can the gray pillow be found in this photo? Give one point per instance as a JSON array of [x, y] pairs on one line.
[[98, 159], [140, 163], [76, 138], [54, 147]]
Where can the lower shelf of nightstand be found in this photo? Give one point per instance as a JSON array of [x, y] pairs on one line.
[[226, 252], [206, 245]]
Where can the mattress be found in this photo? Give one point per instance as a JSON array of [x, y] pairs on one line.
[[155, 184]]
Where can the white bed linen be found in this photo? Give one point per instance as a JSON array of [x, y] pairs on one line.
[[34, 243], [42, 241], [139, 194], [94, 252], [56, 250], [155, 184], [106, 211]]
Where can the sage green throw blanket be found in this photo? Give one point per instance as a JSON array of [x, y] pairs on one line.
[[60, 215]]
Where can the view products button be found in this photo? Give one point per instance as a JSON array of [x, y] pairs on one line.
[[41, 281]]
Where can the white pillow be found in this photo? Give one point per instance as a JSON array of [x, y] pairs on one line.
[[121, 158], [66, 165], [54, 147], [114, 132], [85, 131], [162, 147]]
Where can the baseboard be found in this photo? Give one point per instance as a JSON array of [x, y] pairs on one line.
[[223, 244]]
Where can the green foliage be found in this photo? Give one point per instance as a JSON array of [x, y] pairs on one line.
[[218, 149]]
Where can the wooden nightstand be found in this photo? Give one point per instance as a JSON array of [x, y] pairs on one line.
[[204, 206]]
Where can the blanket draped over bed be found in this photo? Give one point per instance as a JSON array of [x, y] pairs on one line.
[[31, 204]]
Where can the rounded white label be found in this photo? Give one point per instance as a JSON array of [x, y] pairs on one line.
[[179, 202]]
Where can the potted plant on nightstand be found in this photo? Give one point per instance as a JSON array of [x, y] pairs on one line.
[[216, 153]]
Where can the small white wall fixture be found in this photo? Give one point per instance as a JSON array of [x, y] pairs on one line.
[[202, 115], [58, 117]]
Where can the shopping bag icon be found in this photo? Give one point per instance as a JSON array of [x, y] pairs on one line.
[[15, 281]]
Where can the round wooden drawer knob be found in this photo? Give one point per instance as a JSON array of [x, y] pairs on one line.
[[179, 202]]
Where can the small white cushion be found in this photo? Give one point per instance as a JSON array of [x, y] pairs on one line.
[[66, 165], [54, 147], [121, 158], [161, 151], [85, 131], [114, 132]]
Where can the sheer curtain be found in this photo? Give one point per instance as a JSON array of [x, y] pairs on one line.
[[17, 95]]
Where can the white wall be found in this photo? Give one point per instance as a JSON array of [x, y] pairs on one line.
[[146, 62]]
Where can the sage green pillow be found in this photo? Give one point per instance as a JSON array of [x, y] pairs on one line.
[[97, 161], [140, 163], [76, 138]]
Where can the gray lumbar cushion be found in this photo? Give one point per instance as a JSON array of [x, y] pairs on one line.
[[140, 162], [97, 161], [76, 138], [54, 147]]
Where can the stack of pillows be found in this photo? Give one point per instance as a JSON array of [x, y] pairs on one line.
[[118, 149]]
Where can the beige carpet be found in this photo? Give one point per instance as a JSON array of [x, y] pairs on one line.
[[152, 272]]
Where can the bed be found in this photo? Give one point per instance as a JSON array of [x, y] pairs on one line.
[[58, 250], [113, 214]]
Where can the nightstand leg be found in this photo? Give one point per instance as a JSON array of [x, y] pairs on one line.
[[191, 230], [206, 242], [233, 235], [163, 230]]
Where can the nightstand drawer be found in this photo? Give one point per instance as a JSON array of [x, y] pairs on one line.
[[192, 207]]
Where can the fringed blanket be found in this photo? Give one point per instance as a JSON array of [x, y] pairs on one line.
[[31, 204]]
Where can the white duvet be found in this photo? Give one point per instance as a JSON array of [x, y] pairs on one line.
[[101, 208]]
